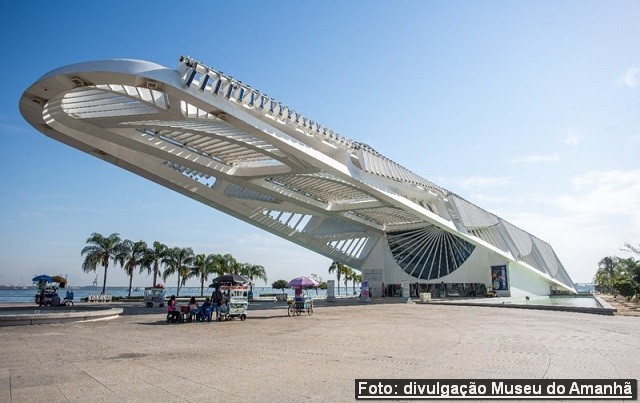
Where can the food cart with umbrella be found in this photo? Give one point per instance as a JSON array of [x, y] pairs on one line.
[[301, 303], [48, 290], [235, 289]]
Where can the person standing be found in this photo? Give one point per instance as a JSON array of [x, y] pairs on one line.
[[216, 300], [41, 298]]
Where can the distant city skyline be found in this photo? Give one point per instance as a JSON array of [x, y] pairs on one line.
[[530, 111]]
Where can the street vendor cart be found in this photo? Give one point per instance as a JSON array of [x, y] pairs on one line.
[[154, 296], [237, 302], [47, 294]]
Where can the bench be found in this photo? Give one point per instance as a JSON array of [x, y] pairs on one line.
[[99, 298], [265, 299]]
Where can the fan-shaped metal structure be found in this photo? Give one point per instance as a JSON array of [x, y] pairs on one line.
[[222, 142], [429, 253]]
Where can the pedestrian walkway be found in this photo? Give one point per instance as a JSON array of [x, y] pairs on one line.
[[272, 357]]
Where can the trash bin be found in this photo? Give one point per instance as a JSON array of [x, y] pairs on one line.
[[425, 296]]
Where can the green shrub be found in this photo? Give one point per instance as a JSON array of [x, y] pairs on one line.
[[625, 287]]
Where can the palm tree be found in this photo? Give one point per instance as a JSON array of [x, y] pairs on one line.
[[198, 267], [178, 261], [231, 265], [253, 271], [218, 264], [606, 274], [357, 278], [154, 258], [203, 265], [131, 256], [339, 269], [625, 267], [99, 251], [347, 273]]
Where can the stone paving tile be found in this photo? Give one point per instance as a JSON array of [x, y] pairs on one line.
[[271, 357], [37, 393], [82, 389], [5, 384]]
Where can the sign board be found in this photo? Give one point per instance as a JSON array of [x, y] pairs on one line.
[[373, 275], [331, 290], [499, 279], [374, 278]]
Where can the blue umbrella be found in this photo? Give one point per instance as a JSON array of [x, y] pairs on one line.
[[42, 277]]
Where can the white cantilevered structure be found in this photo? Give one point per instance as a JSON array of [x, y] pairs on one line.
[[219, 141]]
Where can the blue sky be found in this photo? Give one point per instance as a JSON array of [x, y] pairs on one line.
[[529, 109]]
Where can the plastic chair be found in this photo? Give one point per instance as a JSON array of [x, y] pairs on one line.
[[184, 311], [193, 315], [206, 314]]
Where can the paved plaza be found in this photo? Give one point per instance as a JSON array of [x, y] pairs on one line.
[[272, 357]]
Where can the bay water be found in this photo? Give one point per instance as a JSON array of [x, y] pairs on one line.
[[28, 294]]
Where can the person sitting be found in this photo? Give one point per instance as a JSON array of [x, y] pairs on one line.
[[173, 314], [206, 310], [223, 313], [194, 310]]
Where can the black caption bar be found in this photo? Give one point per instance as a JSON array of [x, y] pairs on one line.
[[497, 389]]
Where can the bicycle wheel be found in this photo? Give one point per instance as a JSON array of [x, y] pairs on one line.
[[310, 310], [291, 310]]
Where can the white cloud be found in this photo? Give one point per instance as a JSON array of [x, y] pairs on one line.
[[579, 240], [573, 138], [602, 193], [593, 218], [483, 181], [630, 77], [535, 159]]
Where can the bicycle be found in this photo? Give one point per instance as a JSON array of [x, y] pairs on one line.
[[296, 308]]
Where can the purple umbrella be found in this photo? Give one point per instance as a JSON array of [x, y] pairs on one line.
[[304, 282]]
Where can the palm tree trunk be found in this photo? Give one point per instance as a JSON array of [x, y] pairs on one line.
[[104, 281], [178, 288], [201, 287], [130, 281], [155, 274], [338, 277]]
